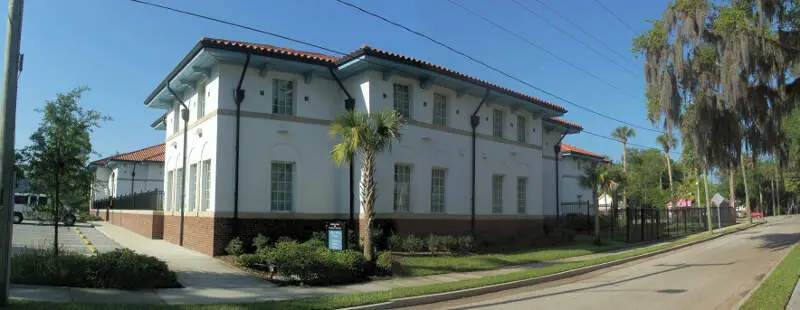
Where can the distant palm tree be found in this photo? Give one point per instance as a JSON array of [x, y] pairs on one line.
[[607, 178], [668, 142], [622, 134], [368, 135]]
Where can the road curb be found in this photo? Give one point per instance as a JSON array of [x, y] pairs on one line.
[[439, 297]]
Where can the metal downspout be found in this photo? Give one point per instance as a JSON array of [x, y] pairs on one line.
[[185, 117], [474, 121], [349, 105], [238, 97], [557, 149]]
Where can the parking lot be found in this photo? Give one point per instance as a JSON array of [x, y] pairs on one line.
[[32, 234]]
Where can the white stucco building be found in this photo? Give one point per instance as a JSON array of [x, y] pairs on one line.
[[133, 172], [286, 183]]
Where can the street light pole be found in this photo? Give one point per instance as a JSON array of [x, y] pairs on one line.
[[185, 117], [7, 128]]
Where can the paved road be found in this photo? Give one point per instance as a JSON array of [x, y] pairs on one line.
[[31, 234], [712, 275]]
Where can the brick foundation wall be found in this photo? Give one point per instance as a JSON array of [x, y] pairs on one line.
[[198, 232], [146, 223]]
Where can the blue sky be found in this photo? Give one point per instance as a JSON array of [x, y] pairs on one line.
[[122, 50]]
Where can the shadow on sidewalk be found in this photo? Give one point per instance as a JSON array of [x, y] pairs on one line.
[[777, 242]]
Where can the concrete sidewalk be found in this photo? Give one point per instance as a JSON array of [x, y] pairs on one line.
[[794, 302], [207, 280]]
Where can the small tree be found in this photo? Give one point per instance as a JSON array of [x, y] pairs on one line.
[[368, 135], [55, 161]]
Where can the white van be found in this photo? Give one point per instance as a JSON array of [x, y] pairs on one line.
[[26, 207]]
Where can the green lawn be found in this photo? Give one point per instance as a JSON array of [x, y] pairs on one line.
[[341, 301], [775, 291], [415, 266]]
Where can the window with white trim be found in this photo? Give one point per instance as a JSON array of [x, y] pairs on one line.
[[205, 184], [192, 181], [178, 189], [439, 110], [522, 192], [402, 187], [282, 97], [201, 101], [282, 186], [402, 100], [176, 118], [497, 123], [497, 193], [438, 189], [521, 128], [168, 203]]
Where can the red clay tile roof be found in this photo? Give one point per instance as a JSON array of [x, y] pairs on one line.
[[565, 123], [150, 154], [269, 49], [160, 119], [566, 148], [367, 50], [322, 59]]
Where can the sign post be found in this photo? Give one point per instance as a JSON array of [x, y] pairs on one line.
[[336, 236]]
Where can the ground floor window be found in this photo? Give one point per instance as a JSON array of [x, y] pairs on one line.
[[205, 184], [438, 189], [402, 187], [282, 191], [497, 193]]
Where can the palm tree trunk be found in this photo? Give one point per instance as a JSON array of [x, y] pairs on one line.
[[708, 200], [746, 192], [368, 200], [624, 169], [777, 189], [774, 197], [669, 171], [596, 217], [697, 185], [731, 187]]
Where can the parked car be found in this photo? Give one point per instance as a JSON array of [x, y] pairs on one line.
[[35, 207]]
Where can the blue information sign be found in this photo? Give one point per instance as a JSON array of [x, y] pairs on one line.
[[335, 238]]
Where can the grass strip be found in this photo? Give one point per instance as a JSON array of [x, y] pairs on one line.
[[359, 299], [775, 291]]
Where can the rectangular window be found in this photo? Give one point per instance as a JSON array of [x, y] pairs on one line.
[[402, 100], [20, 200], [438, 189], [521, 128], [439, 110], [205, 185], [178, 189], [282, 194], [176, 118], [282, 97], [497, 193], [192, 181], [168, 192], [522, 192], [497, 123], [201, 100], [402, 187]]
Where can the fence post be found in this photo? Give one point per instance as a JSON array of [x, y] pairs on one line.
[[589, 215], [658, 224], [641, 220], [627, 224], [684, 221]]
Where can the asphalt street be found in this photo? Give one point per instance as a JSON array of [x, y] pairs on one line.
[[712, 275]]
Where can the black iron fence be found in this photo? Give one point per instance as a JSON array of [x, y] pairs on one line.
[[637, 224], [151, 200]]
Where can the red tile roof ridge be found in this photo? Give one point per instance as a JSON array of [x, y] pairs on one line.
[[566, 148]]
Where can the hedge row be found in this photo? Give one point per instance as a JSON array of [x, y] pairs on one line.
[[433, 243]]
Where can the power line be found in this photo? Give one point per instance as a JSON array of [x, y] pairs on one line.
[[531, 43], [564, 18], [484, 64], [571, 36], [616, 16], [628, 142], [289, 39]]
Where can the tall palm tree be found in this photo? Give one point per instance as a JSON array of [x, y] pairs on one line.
[[622, 134], [368, 135], [668, 142]]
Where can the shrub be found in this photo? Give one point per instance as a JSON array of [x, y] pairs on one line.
[[260, 242], [284, 239], [395, 242], [412, 243], [563, 235], [120, 269], [235, 247], [465, 243], [436, 243], [253, 261], [450, 243], [319, 235], [384, 263], [315, 243], [311, 263]]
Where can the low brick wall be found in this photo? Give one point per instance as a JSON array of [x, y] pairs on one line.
[[146, 223]]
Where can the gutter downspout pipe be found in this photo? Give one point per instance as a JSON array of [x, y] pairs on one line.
[[474, 121], [557, 149], [185, 117], [133, 182], [238, 97], [349, 105]]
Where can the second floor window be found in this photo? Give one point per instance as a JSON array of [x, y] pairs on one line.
[[402, 100], [201, 100], [282, 97], [521, 128], [497, 123], [439, 110], [176, 118]]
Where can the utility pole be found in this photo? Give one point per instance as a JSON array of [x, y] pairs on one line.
[[7, 125]]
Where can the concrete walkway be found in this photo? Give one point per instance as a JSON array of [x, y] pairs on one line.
[[207, 280], [794, 302]]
